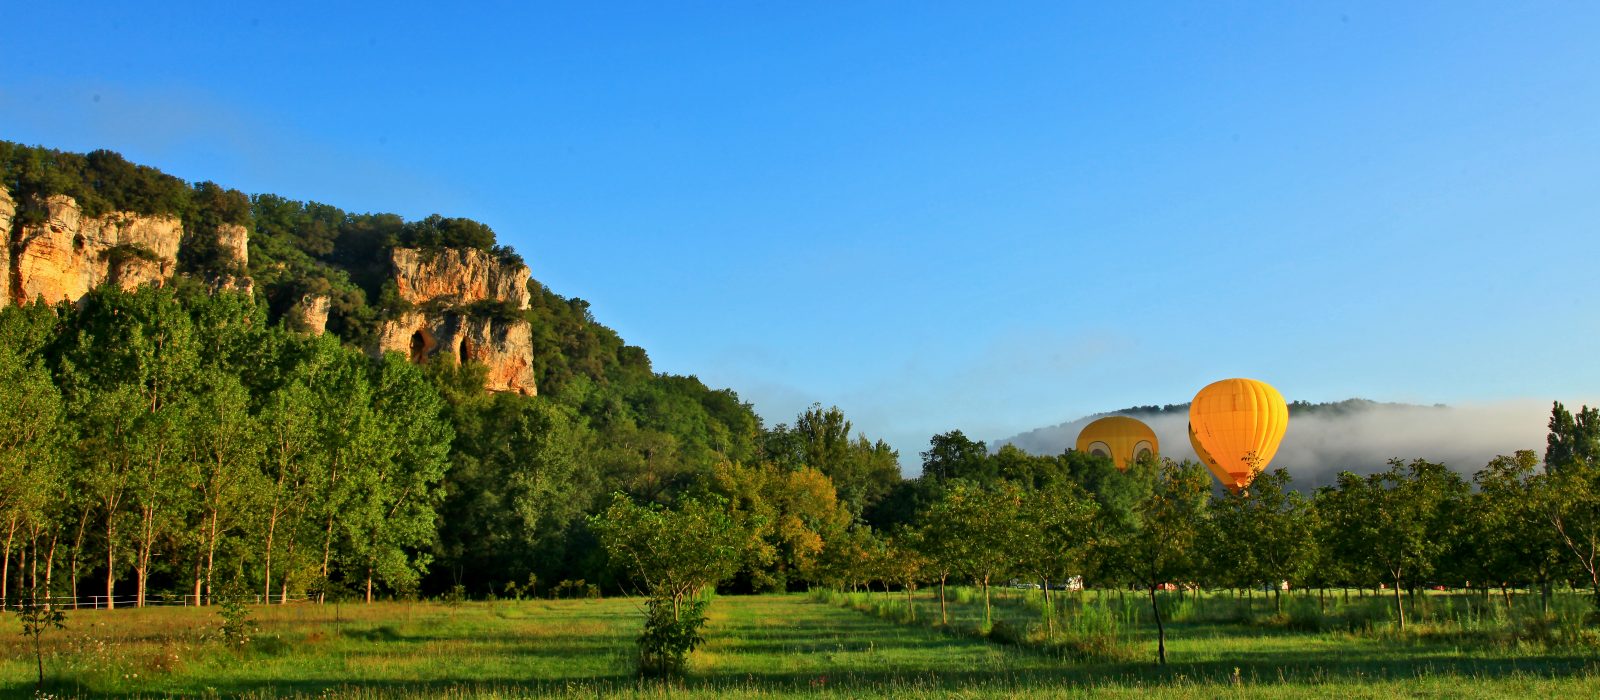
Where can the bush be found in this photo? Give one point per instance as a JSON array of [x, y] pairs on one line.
[[237, 627], [667, 640]]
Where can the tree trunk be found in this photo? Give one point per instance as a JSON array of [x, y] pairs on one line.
[[77, 548], [1161, 628], [944, 611], [211, 557], [50, 560], [1049, 612], [197, 571], [111, 558], [266, 587], [1399, 604], [986, 622], [5, 567], [327, 547]]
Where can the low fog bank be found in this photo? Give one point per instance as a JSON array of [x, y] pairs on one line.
[[1361, 438]]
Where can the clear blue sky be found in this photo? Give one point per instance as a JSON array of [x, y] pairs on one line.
[[932, 215]]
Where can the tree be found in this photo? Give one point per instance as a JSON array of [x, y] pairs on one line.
[[1170, 519], [954, 456], [1055, 537], [1263, 534], [1397, 523], [31, 431], [862, 471], [225, 466], [1572, 439], [903, 563], [1505, 536], [673, 555], [975, 530], [289, 432], [390, 515], [39, 616]]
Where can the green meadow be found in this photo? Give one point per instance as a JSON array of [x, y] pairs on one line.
[[832, 645]]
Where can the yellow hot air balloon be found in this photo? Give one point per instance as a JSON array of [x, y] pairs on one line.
[[1235, 426], [1125, 440]]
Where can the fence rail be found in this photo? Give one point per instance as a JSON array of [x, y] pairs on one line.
[[99, 602]]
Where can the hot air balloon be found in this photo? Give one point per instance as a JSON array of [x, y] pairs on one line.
[[1125, 440], [1235, 426]]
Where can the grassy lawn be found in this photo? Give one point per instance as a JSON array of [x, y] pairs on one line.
[[765, 646]]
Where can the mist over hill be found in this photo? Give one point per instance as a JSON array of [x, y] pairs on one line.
[[1356, 434]]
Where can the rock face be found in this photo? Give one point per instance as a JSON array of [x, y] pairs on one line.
[[67, 254], [8, 212], [234, 241], [458, 276], [444, 283], [313, 311], [505, 348]]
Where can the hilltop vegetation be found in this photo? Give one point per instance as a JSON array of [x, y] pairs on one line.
[[495, 487]]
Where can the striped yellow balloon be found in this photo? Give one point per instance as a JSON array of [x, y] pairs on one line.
[[1125, 440], [1235, 426]]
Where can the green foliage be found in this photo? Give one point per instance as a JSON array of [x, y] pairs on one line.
[[233, 608], [38, 616], [671, 632]]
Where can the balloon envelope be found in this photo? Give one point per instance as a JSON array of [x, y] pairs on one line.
[[1121, 438], [1235, 426]]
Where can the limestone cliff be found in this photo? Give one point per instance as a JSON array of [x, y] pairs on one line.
[[67, 254], [505, 348], [458, 276], [8, 212], [312, 311], [441, 285]]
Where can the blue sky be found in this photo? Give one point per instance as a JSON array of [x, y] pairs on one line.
[[935, 216]]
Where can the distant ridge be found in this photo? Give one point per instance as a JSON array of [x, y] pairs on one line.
[[1039, 440]]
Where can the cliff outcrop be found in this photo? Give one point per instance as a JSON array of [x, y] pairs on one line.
[[458, 276], [445, 288], [463, 301], [66, 254]]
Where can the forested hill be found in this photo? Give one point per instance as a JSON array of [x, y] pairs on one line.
[[189, 424]]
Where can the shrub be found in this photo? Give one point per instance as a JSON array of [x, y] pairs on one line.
[[237, 627], [668, 639]]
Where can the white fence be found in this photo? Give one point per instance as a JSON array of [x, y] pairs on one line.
[[98, 602]]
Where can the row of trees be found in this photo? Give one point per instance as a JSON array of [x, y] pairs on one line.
[[178, 440], [164, 440], [989, 518]]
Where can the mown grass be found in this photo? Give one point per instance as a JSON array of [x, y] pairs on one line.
[[765, 646]]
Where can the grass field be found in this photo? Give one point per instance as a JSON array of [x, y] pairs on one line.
[[843, 645]]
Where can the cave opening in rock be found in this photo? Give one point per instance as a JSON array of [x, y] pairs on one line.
[[422, 343]]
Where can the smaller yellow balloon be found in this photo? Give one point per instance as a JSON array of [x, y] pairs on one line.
[[1125, 440]]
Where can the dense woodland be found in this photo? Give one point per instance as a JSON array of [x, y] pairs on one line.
[[172, 442]]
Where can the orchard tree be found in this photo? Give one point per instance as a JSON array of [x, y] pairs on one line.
[[1262, 535], [1055, 536], [673, 555], [1397, 523], [1163, 549]]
